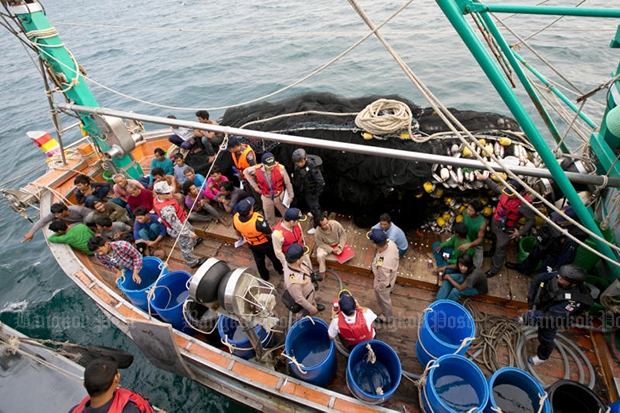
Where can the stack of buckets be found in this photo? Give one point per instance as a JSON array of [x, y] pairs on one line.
[[170, 291]]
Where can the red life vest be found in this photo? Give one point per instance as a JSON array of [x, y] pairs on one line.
[[293, 236], [159, 205], [354, 333], [277, 182], [248, 229], [509, 207], [121, 398]]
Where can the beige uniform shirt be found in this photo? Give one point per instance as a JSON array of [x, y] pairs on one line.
[[299, 286], [250, 175], [385, 267]]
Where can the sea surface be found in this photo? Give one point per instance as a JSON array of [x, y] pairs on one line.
[[197, 54]]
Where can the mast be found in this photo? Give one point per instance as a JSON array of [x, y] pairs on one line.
[[455, 11], [110, 134]]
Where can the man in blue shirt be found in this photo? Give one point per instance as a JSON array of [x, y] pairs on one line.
[[394, 233], [147, 228]]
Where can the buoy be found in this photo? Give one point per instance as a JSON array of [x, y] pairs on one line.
[[429, 186], [45, 141], [488, 210], [505, 141], [367, 136], [612, 120], [440, 221], [459, 218], [467, 152]]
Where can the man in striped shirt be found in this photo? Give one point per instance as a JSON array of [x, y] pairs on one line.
[[117, 255]]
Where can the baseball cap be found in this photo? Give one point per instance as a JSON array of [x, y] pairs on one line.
[[377, 236], [163, 188], [346, 302], [512, 184], [232, 142], [559, 219], [295, 252], [268, 159], [293, 214], [244, 206]]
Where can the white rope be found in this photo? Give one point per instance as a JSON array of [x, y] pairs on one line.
[[541, 401], [385, 116], [292, 360]]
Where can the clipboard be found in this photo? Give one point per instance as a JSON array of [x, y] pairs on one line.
[[346, 254]]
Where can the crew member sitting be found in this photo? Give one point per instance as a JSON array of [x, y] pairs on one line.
[[352, 322]]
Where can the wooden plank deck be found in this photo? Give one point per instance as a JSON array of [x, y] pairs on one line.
[[508, 287]]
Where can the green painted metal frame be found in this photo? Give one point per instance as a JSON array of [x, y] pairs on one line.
[[455, 11], [51, 49]]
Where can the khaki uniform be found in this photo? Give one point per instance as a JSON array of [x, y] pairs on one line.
[[325, 240], [385, 267], [299, 286]]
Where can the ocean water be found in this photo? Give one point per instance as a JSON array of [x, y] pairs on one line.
[[195, 54]]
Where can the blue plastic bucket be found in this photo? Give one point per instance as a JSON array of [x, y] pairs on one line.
[[167, 300], [308, 343], [514, 390], [445, 325], [365, 378], [239, 344], [453, 385], [151, 268]]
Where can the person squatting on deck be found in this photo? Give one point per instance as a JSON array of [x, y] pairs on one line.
[[393, 232], [384, 268], [270, 180], [256, 231], [117, 255], [198, 204], [101, 380], [308, 183], [505, 219], [147, 229], [352, 322], [330, 238], [173, 216], [298, 280], [72, 213], [77, 236], [467, 281], [447, 253], [553, 248], [554, 299]]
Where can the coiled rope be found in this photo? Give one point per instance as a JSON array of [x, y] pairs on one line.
[[385, 116]]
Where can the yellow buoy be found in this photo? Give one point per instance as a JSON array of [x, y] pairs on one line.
[[440, 221], [447, 200], [429, 186], [487, 211], [505, 141], [459, 218], [466, 151], [367, 136]]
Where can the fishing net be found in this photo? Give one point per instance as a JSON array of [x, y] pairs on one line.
[[361, 185]]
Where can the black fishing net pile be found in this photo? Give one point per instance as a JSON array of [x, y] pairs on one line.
[[361, 185]]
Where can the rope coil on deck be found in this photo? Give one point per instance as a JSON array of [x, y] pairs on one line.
[[385, 116]]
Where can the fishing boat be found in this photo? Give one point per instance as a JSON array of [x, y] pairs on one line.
[[438, 164]]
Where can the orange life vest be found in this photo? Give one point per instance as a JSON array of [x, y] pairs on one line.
[[121, 398], [159, 205], [357, 332], [241, 162], [248, 229]]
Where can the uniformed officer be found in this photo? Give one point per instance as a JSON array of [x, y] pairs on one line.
[[298, 279], [256, 231], [554, 298], [384, 267]]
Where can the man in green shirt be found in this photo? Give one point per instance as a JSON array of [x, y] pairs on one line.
[[476, 224], [77, 236], [447, 252]]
